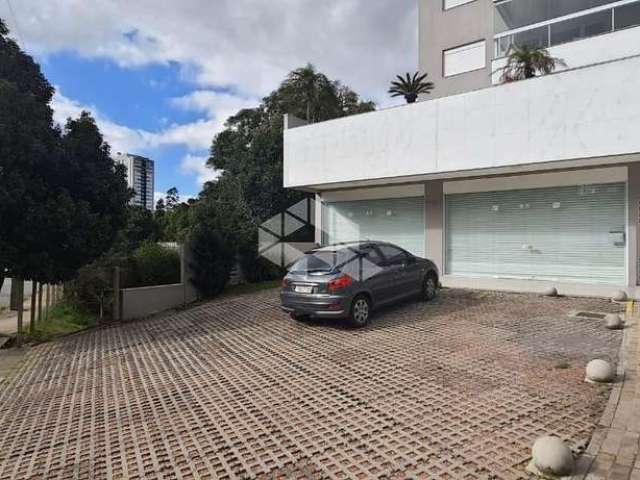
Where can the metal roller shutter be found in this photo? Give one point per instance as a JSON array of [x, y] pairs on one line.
[[574, 233], [396, 220]]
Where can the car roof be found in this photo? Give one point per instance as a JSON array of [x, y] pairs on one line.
[[352, 245]]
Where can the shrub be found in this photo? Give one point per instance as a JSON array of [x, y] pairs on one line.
[[212, 261], [92, 289], [154, 264]]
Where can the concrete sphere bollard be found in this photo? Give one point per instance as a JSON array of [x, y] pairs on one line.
[[550, 292], [619, 296], [613, 321], [600, 371], [551, 456]]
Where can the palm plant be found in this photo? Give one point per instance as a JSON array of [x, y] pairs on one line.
[[306, 86], [410, 87], [525, 61]]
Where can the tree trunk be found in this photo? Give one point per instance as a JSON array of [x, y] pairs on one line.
[[1, 277]]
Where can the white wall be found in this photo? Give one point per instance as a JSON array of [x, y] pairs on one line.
[[620, 44], [583, 113]]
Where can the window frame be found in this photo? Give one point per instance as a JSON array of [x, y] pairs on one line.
[[444, 52], [447, 9]]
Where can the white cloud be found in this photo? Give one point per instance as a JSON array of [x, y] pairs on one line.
[[194, 164], [215, 105], [195, 136], [247, 44]]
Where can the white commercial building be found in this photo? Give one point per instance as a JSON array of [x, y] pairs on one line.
[[513, 186]]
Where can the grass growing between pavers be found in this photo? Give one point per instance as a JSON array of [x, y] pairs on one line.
[[63, 319]]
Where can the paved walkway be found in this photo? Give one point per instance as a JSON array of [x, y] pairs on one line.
[[614, 450], [233, 389]]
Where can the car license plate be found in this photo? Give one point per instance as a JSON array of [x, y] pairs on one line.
[[303, 289]]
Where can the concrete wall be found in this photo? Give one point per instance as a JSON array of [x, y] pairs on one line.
[[434, 223], [440, 30], [578, 114], [145, 301]]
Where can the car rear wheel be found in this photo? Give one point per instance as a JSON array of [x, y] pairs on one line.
[[360, 311], [298, 317], [430, 287]]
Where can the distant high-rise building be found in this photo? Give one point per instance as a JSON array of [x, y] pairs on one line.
[[140, 177]]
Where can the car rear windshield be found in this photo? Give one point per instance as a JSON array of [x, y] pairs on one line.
[[324, 261]]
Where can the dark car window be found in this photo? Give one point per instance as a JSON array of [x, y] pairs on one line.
[[393, 255], [323, 261]]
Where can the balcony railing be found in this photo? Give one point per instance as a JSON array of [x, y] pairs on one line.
[[564, 30]]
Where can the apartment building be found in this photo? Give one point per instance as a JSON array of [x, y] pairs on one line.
[[140, 178], [514, 186]]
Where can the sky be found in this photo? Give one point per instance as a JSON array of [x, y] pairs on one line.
[[162, 76]]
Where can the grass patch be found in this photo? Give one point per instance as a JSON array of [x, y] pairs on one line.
[[246, 288], [63, 319]]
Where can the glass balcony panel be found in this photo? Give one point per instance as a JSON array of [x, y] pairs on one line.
[[627, 16], [536, 37], [581, 27], [520, 13]]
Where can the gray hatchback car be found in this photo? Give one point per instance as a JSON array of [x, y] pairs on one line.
[[349, 280]]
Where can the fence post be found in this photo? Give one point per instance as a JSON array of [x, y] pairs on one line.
[[34, 304], [39, 302], [47, 302], [116, 294], [20, 294]]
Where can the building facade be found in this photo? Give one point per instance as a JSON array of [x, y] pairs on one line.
[[514, 186], [140, 178]]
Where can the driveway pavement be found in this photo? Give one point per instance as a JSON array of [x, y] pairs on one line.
[[457, 388]]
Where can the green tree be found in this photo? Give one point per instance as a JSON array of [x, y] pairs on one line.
[[97, 187], [249, 152], [160, 206], [28, 149], [410, 87], [172, 198], [139, 227], [528, 61], [61, 197]]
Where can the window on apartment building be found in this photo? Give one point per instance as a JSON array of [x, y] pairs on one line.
[[464, 59], [454, 3]]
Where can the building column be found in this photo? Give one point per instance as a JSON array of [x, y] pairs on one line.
[[317, 212], [434, 223], [633, 212]]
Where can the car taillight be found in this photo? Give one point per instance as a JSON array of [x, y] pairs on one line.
[[339, 283], [285, 283]]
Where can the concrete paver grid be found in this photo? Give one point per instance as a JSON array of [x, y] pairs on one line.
[[457, 388]]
